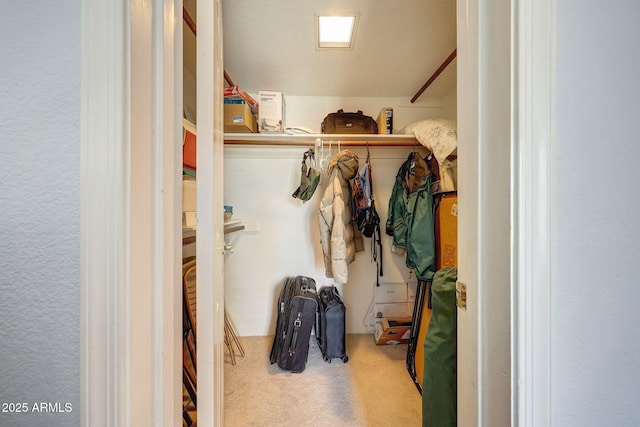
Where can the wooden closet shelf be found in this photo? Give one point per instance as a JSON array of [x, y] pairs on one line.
[[350, 140]]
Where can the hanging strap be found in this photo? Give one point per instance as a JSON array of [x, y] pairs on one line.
[[376, 253], [304, 171], [376, 238], [309, 154]]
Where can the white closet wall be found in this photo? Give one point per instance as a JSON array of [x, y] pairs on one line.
[[282, 235], [309, 111]]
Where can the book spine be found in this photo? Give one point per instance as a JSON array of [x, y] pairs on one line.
[[389, 121], [385, 121]]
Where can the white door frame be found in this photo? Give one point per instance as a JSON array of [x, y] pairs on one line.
[[210, 246], [533, 204], [468, 30], [131, 311], [518, 130], [113, 340]]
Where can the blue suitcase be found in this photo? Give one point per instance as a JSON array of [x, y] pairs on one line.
[[330, 325]]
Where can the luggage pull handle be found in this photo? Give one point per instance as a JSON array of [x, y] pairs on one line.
[[336, 293], [333, 295], [318, 327], [296, 327]]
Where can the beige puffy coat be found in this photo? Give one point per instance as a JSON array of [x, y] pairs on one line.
[[336, 224]]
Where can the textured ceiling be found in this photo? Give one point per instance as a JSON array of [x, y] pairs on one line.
[[269, 45]]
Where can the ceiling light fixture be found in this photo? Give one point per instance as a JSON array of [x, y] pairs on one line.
[[335, 31]]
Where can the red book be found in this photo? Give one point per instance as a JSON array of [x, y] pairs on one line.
[[189, 150]]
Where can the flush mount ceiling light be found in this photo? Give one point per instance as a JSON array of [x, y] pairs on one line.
[[335, 31]]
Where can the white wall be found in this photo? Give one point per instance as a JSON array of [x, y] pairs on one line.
[[309, 111], [189, 92], [450, 104], [282, 237], [40, 206], [597, 205]]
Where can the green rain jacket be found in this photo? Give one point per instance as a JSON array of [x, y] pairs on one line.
[[410, 219]]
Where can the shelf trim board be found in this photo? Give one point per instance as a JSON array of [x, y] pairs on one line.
[[373, 140]]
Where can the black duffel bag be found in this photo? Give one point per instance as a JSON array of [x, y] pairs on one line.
[[342, 122]]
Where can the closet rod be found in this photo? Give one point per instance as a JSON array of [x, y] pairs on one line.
[[343, 143], [189, 21], [192, 26], [434, 75]]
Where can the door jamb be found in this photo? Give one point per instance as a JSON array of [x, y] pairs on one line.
[[209, 231], [533, 204], [111, 294]]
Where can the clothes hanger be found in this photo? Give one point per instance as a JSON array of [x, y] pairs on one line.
[[324, 158], [318, 149], [413, 158]]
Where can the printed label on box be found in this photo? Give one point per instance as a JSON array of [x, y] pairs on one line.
[[238, 119], [272, 111]]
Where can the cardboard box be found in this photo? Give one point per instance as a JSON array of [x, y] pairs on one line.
[[238, 118], [385, 121], [235, 93], [271, 116], [447, 231], [393, 330], [394, 299]]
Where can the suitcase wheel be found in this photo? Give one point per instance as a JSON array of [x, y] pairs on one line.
[[345, 358]]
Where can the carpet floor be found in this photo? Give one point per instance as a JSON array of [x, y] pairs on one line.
[[372, 389]]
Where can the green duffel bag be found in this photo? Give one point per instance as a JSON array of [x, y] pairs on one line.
[[439, 384]]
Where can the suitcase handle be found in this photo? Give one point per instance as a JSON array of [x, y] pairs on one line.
[[296, 327], [328, 295]]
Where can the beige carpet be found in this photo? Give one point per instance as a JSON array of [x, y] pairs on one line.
[[372, 389]]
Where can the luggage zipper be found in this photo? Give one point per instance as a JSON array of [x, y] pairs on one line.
[[296, 326], [284, 332]]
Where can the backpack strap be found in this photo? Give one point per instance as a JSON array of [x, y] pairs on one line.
[[376, 251], [303, 172], [368, 162], [376, 238]]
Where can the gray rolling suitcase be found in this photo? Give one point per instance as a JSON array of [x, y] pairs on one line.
[[330, 325], [297, 307]]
